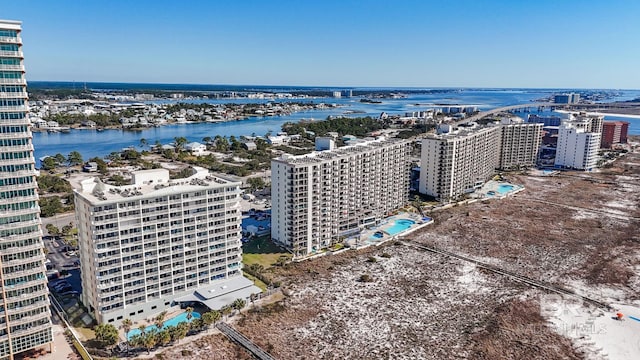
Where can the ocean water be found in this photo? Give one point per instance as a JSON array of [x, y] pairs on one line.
[[91, 143]]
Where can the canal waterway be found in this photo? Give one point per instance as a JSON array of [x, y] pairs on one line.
[[91, 143]]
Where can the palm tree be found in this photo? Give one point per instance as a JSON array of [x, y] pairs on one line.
[[181, 330], [210, 317], [149, 341], [206, 140], [143, 142], [180, 142], [74, 158], [226, 310], [164, 337], [126, 326], [238, 304], [159, 320], [142, 329], [189, 311]]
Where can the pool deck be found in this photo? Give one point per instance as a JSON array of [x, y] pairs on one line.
[[490, 190], [366, 239]]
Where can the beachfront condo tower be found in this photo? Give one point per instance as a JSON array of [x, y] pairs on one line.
[[320, 198], [159, 242], [25, 319]]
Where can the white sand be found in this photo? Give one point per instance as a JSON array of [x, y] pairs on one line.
[[594, 330]]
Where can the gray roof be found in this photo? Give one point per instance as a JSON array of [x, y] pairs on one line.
[[222, 293]]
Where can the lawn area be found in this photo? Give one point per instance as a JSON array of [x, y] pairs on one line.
[[255, 280], [262, 251]]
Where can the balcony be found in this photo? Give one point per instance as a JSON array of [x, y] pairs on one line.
[[12, 67], [9, 53], [11, 39], [12, 81], [16, 135], [13, 95]]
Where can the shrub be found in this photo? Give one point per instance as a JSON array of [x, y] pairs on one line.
[[366, 278], [372, 259], [386, 255]]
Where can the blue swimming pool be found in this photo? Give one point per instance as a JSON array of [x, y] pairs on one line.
[[505, 188], [169, 322], [399, 226], [377, 235]]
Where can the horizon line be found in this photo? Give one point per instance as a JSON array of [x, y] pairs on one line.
[[331, 86]]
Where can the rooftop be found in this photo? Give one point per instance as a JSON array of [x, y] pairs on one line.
[[345, 151], [146, 183]]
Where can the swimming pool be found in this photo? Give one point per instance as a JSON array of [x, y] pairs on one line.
[[169, 322], [399, 226], [505, 188], [377, 236]]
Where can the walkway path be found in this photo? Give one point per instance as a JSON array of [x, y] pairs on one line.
[[237, 337]]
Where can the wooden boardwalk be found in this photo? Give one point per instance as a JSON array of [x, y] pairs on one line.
[[242, 340]]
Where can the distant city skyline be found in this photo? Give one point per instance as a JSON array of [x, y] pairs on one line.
[[492, 43]]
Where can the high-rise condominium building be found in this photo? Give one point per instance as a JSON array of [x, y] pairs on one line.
[[577, 148], [579, 140], [519, 145], [458, 162], [321, 197], [614, 132], [25, 319], [142, 246]]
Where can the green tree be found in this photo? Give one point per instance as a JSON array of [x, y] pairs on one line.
[[66, 229], [238, 304], [164, 337], [211, 317], [49, 163], [256, 183], [74, 158], [149, 340], [60, 159], [181, 330], [106, 335], [221, 143], [52, 229], [102, 165], [50, 206], [189, 312], [226, 310], [235, 143], [197, 324], [206, 140], [127, 324], [159, 320], [180, 142], [143, 142]]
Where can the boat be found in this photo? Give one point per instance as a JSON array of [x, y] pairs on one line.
[[53, 131]]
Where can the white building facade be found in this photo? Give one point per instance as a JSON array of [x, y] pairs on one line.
[[519, 145], [144, 245], [319, 198], [25, 319], [458, 162], [579, 140], [577, 148]]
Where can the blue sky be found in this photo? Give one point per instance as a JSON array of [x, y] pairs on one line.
[[488, 43]]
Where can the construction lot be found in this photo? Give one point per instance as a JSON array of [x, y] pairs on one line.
[[579, 231]]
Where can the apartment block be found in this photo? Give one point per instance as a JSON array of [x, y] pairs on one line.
[[458, 162], [577, 147], [614, 132], [143, 246], [321, 197], [519, 145], [25, 319]]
